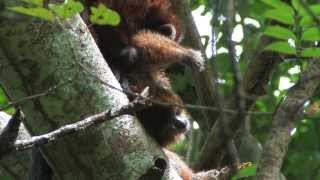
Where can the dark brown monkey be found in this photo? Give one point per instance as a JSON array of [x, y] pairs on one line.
[[139, 50]]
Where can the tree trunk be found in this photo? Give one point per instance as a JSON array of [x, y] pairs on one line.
[[40, 55]]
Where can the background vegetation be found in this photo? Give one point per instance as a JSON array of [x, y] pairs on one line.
[[282, 35]]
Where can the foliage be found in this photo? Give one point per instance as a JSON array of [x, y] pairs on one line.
[[292, 33], [4, 101], [296, 25], [100, 15], [245, 172]]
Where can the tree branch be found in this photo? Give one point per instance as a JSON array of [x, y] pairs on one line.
[[205, 81], [65, 130], [255, 81], [32, 97], [288, 112], [149, 100]]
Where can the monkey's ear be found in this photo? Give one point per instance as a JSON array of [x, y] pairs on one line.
[[129, 54], [168, 30]]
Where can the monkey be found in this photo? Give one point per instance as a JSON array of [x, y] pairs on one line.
[[139, 50], [164, 123]]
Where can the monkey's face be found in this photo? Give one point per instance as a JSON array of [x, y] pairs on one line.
[[165, 124]]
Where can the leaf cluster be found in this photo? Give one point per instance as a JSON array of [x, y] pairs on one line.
[[100, 14]]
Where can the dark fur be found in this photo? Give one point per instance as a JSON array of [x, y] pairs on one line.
[[140, 48]]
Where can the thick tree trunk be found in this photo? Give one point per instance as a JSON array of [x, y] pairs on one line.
[[40, 55]]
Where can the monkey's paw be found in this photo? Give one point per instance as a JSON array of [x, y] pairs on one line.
[[195, 60]]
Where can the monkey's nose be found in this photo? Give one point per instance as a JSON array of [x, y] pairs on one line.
[[180, 125], [182, 122]]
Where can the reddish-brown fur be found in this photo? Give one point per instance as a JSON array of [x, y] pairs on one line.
[[184, 171], [140, 51]]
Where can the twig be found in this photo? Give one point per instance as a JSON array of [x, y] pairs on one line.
[[224, 173], [238, 88], [32, 97], [96, 119], [147, 99], [234, 59], [216, 11]]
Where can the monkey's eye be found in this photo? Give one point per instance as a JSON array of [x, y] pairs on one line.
[[168, 30]]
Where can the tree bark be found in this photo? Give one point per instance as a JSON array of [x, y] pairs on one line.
[[289, 111], [17, 164], [40, 55]]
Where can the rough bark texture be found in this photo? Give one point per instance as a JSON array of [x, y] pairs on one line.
[[40, 55], [289, 111]]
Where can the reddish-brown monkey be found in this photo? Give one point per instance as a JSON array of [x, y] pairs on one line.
[[139, 50]]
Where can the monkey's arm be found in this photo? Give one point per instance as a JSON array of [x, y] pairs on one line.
[[154, 51]]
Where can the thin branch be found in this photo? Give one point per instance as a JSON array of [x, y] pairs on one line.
[[238, 87], [234, 58], [20, 145], [190, 106], [81, 125], [216, 11], [205, 83], [224, 173], [32, 97], [147, 99], [255, 80]]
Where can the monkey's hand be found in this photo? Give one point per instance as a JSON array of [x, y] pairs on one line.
[[194, 60]]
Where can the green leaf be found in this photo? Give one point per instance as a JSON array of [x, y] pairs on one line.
[[280, 15], [297, 6], [307, 21], [67, 10], [302, 11], [281, 47], [36, 12], [311, 34], [3, 97], [4, 102], [245, 172], [104, 16], [34, 2], [311, 52], [278, 4], [279, 32], [315, 9]]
